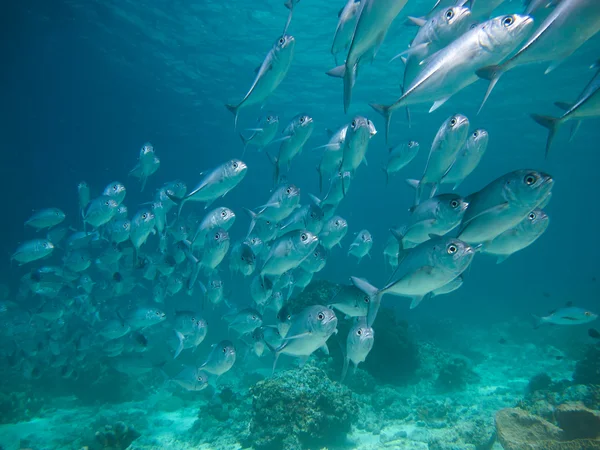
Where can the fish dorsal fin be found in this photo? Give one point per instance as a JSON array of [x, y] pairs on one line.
[[418, 21]]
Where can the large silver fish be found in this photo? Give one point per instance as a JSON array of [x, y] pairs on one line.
[[100, 211], [468, 158], [586, 106], [451, 69], [333, 232], [374, 18], [309, 217], [269, 75], [332, 155], [503, 203], [221, 217], [423, 269], [566, 29]]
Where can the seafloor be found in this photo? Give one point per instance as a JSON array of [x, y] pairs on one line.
[[436, 386]]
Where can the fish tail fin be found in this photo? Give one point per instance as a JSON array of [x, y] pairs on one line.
[[245, 142], [144, 179], [180, 338], [492, 74], [552, 124], [345, 369], [349, 80], [387, 115], [235, 111], [416, 185], [537, 321], [253, 217], [374, 296]]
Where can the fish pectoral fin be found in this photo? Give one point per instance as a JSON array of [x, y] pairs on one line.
[[502, 258], [438, 103], [297, 336], [418, 21], [324, 349], [410, 50], [493, 210], [416, 300]]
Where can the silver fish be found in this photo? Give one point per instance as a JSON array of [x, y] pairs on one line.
[[32, 250], [45, 218], [142, 225], [261, 290], [280, 205], [119, 230], [100, 211], [309, 217], [160, 217], [217, 218], [586, 106], [568, 316], [566, 29], [374, 17], [503, 203], [449, 139], [213, 291], [332, 155], [288, 252], [361, 246], [216, 245], [191, 379], [144, 317], [265, 335], [83, 195], [356, 143], [115, 190], [333, 232], [391, 252], [518, 237], [315, 262], [345, 27], [242, 259], [113, 329], [269, 75], [244, 321], [220, 359], [423, 269], [351, 301], [399, 157], [358, 345], [216, 183], [148, 163], [468, 158], [263, 134], [451, 69], [77, 260], [295, 136]]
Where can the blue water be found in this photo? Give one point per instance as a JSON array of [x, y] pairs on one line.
[[85, 83]]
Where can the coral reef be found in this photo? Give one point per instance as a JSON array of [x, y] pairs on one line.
[[18, 406], [587, 370], [116, 437], [395, 355], [300, 409], [455, 375]]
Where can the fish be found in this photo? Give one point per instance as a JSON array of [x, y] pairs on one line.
[[288, 252], [373, 20], [569, 315], [448, 141], [503, 203], [332, 154], [391, 252], [438, 216], [244, 321], [45, 218], [356, 143], [83, 195], [32, 250], [242, 259], [115, 190], [191, 379], [315, 262], [263, 335], [269, 75], [221, 217], [119, 230], [452, 68], [448, 287], [284, 200], [361, 246], [308, 331], [213, 291], [220, 359], [77, 260], [100, 211], [142, 225], [593, 333], [263, 134], [468, 158], [519, 237], [160, 217], [423, 269], [359, 343], [310, 217], [338, 187], [345, 27], [302, 279], [216, 245], [586, 106], [295, 136], [148, 163], [261, 290], [333, 232], [351, 301], [567, 28], [399, 157], [144, 317]]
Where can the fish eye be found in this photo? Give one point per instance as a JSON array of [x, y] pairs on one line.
[[253, 317], [302, 119], [223, 213], [303, 236], [411, 144], [144, 216], [449, 14], [288, 190], [452, 249], [531, 216], [367, 299], [269, 119], [359, 332], [587, 313], [353, 124], [158, 313], [507, 21], [268, 222], [453, 122], [313, 215], [107, 203], [235, 165], [199, 378], [454, 203], [320, 316], [281, 41], [530, 179], [224, 349], [475, 134], [217, 236], [115, 187]]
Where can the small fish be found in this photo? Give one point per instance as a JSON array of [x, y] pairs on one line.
[[261, 290], [77, 260], [144, 317], [315, 262], [468, 158], [263, 134], [148, 163], [333, 232], [216, 245], [213, 290], [86, 283], [265, 335], [356, 144], [100, 211], [423, 269], [119, 230], [399, 157], [295, 136], [351, 301], [281, 204], [519, 237], [345, 27], [309, 217], [142, 225], [220, 359], [160, 217], [45, 218], [308, 331], [567, 316], [269, 75], [115, 190], [450, 138], [503, 203], [358, 345], [361, 246], [113, 329], [32, 251], [391, 252], [242, 259], [593, 333], [216, 183], [288, 252], [217, 218], [83, 195], [338, 188], [191, 379], [244, 321]]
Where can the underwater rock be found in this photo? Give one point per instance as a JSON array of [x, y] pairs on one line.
[[455, 375], [300, 409], [587, 370], [318, 292], [19, 406], [577, 421], [539, 382], [394, 358], [116, 437]]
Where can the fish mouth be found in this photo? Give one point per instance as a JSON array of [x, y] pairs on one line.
[[242, 165], [308, 120]]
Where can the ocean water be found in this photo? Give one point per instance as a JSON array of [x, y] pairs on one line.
[[86, 83]]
